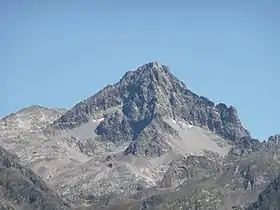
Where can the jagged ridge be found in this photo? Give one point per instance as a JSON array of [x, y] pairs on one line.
[[144, 93]]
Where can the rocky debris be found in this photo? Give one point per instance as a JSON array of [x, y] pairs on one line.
[[20, 188]]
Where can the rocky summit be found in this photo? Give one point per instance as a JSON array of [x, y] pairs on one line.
[[146, 142]]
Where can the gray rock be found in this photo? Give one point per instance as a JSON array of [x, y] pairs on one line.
[[21, 188], [138, 98], [115, 128], [269, 199]]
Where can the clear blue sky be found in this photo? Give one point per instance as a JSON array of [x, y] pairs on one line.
[[56, 53]]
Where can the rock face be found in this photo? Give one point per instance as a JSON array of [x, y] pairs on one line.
[[269, 199], [152, 90], [134, 106], [146, 142], [20, 188], [185, 169]]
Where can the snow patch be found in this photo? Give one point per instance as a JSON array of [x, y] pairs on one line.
[[217, 113], [98, 120]]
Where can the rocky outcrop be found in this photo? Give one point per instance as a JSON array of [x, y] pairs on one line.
[[269, 199], [115, 128], [274, 142], [152, 140], [248, 145], [20, 188], [184, 169]]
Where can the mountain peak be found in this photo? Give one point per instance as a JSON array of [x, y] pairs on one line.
[[143, 94], [150, 72], [32, 117], [151, 64], [32, 108], [155, 65]]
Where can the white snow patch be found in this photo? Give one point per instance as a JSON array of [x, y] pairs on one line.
[[217, 113], [189, 126], [98, 120]]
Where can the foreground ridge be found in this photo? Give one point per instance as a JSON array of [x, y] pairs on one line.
[[20, 188]]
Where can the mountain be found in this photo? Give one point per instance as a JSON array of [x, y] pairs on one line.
[[145, 102], [146, 142], [149, 91], [20, 188]]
